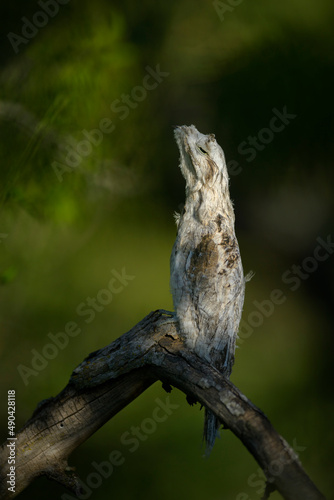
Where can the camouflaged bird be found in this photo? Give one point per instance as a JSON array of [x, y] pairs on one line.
[[207, 281]]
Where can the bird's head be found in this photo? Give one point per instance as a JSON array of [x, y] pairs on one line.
[[202, 160]]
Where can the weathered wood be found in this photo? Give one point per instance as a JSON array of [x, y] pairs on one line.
[[109, 379]]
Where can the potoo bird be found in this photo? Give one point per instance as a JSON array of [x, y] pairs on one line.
[[207, 280]]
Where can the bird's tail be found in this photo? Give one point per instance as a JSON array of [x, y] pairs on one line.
[[211, 426]]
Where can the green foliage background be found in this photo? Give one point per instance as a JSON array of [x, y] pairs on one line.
[[60, 239]]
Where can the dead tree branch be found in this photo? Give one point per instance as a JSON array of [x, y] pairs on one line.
[[109, 379]]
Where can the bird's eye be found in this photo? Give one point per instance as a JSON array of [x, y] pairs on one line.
[[202, 150]]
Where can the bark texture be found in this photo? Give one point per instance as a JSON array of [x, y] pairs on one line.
[[112, 377]]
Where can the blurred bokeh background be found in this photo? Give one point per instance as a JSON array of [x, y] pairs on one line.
[[77, 204]]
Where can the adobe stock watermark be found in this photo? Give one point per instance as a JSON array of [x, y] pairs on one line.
[[30, 27], [259, 480], [256, 143], [222, 7], [77, 151], [130, 441], [87, 309], [293, 278]]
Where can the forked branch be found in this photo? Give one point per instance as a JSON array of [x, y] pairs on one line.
[[109, 379]]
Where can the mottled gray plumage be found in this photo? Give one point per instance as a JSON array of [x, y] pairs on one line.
[[207, 280]]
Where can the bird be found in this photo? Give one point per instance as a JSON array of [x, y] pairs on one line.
[[206, 274]]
